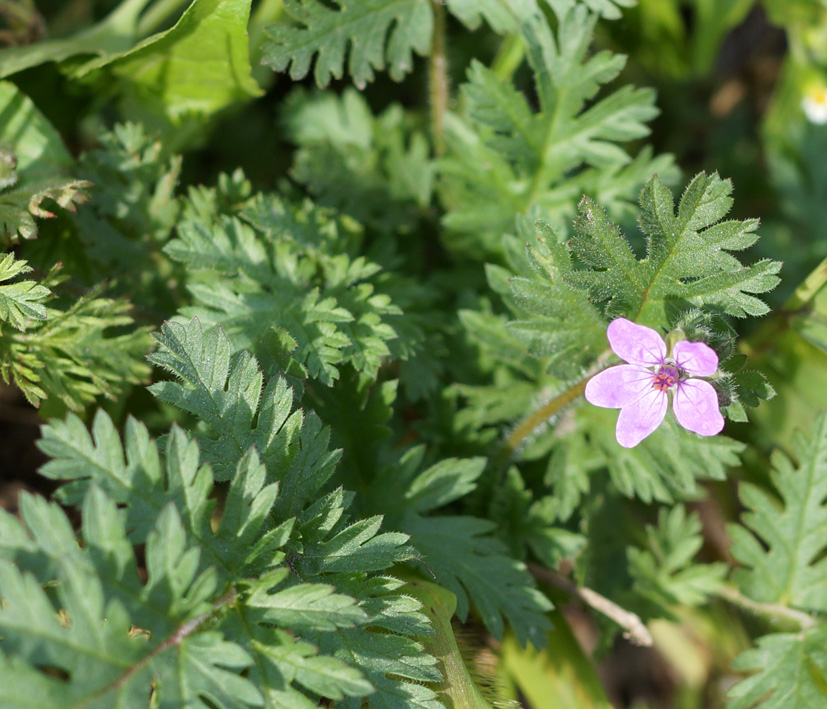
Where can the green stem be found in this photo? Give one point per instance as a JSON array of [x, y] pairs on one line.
[[509, 56], [806, 291], [438, 79], [266, 13], [157, 15], [773, 610], [525, 428], [767, 334]]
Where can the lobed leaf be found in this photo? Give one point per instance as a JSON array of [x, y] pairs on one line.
[[374, 31], [780, 546]]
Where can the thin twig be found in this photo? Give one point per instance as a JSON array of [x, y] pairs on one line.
[[438, 79], [634, 629], [774, 610]]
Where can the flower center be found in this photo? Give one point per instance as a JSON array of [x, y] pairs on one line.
[[665, 378]]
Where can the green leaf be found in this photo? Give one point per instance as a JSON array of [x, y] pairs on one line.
[[397, 667], [135, 476], [109, 38], [460, 552], [38, 160], [364, 27], [664, 572], [664, 467], [688, 259], [226, 393], [789, 672], [323, 305], [75, 355], [610, 9], [465, 558], [100, 594], [376, 169], [559, 325], [457, 686], [505, 158], [20, 302], [304, 606], [292, 582], [780, 545], [196, 68], [379, 33], [132, 213]]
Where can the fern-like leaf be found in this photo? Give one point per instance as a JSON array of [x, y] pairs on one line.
[[689, 260], [322, 308], [460, 551], [101, 600], [294, 581], [20, 302], [226, 393], [781, 546], [505, 159], [664, 572], [789, 672], [74, 355], [361, 25]]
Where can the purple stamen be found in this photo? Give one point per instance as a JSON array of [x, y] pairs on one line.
[[665, 378]]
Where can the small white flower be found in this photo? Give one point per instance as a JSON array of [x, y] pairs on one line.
[[814, 104]]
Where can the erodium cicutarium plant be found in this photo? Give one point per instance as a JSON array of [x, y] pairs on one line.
[[318, 374]]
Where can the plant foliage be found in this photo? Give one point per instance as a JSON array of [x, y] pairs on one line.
[[505, 158], [308, 362]]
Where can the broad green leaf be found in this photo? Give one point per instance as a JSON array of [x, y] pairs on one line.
[[105, 40], [196, 68]]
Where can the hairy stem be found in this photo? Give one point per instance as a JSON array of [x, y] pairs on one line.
[[634, 629], [772, 610], [530, 423], [438, 79]]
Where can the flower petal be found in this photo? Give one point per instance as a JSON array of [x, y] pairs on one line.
[[696, 407], [636, 344], [619, 386], [697, 358], [640, 418]]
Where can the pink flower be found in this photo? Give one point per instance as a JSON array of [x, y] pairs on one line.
[[641, 388]]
